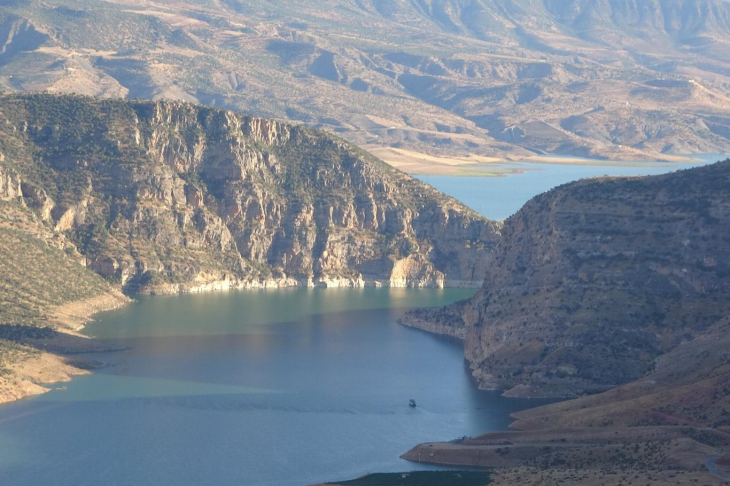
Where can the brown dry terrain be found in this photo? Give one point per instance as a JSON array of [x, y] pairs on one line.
[[43, 286], [598, 78], [598, 452], [595, 280], [602, 455], [103, 196], [584, 293]]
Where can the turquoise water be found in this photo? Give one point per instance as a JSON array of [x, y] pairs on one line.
[[287, 387], [252, 388], [500, 197]]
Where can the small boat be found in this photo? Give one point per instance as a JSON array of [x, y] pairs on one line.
[[412, 403]]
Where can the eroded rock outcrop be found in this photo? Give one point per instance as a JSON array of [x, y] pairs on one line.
[[10, 188], [166, 196], [596, 279]]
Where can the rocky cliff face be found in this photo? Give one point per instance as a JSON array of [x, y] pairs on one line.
[[594, 280], [10, 188], [167, 196], [688, 385]]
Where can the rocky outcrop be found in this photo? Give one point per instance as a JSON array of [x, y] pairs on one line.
[[448, 321], [596, 279], [9, 185], [166, 197], [37, 199]]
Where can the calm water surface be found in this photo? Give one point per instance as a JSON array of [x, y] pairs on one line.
[[500, 197], [285, 387], [251, 388]]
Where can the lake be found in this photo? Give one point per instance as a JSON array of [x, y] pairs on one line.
[[286, 387], [500, 197]]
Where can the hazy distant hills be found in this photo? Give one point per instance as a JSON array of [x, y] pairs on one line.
[[612, 78]]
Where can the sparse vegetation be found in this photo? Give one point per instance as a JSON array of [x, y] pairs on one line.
[[434, 80], [172, 194], [38, 275]]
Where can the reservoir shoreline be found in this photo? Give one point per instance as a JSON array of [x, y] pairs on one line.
[[71, 317], [259, 371], [52, 358]]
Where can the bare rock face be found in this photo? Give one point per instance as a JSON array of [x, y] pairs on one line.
[[594, 280], [10, 185], [414, 268], [164, 197], [38, 199]]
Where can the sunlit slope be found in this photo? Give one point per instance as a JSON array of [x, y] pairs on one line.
[[613, 79]]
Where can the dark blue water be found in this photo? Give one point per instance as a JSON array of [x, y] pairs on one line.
[[500, 197], [245, 395]]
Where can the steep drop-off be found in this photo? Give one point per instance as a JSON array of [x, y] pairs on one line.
[[168, 196], [163, 197], [43, 284], [595, 280], [601, 282]]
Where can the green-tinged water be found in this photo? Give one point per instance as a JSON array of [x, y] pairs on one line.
[[258, 388], [251, 311], [252, 388]]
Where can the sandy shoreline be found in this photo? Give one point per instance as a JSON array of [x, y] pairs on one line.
[[416, 163], [28, 369]]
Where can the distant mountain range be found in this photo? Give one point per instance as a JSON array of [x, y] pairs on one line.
[[609, 78]]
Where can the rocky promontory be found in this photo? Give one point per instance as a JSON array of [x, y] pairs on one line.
[[613, 285], [168, 197], [596, 279], [100, 197]]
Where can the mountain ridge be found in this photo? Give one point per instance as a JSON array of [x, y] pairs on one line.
[[593, 281], [275, 201], [626, 80], [99, 196], [612, 292]]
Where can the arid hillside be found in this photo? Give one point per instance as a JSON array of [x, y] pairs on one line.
[[619, 286], [169, 196], [596, 279], [608, 78], [45, 287], [103, 196]]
